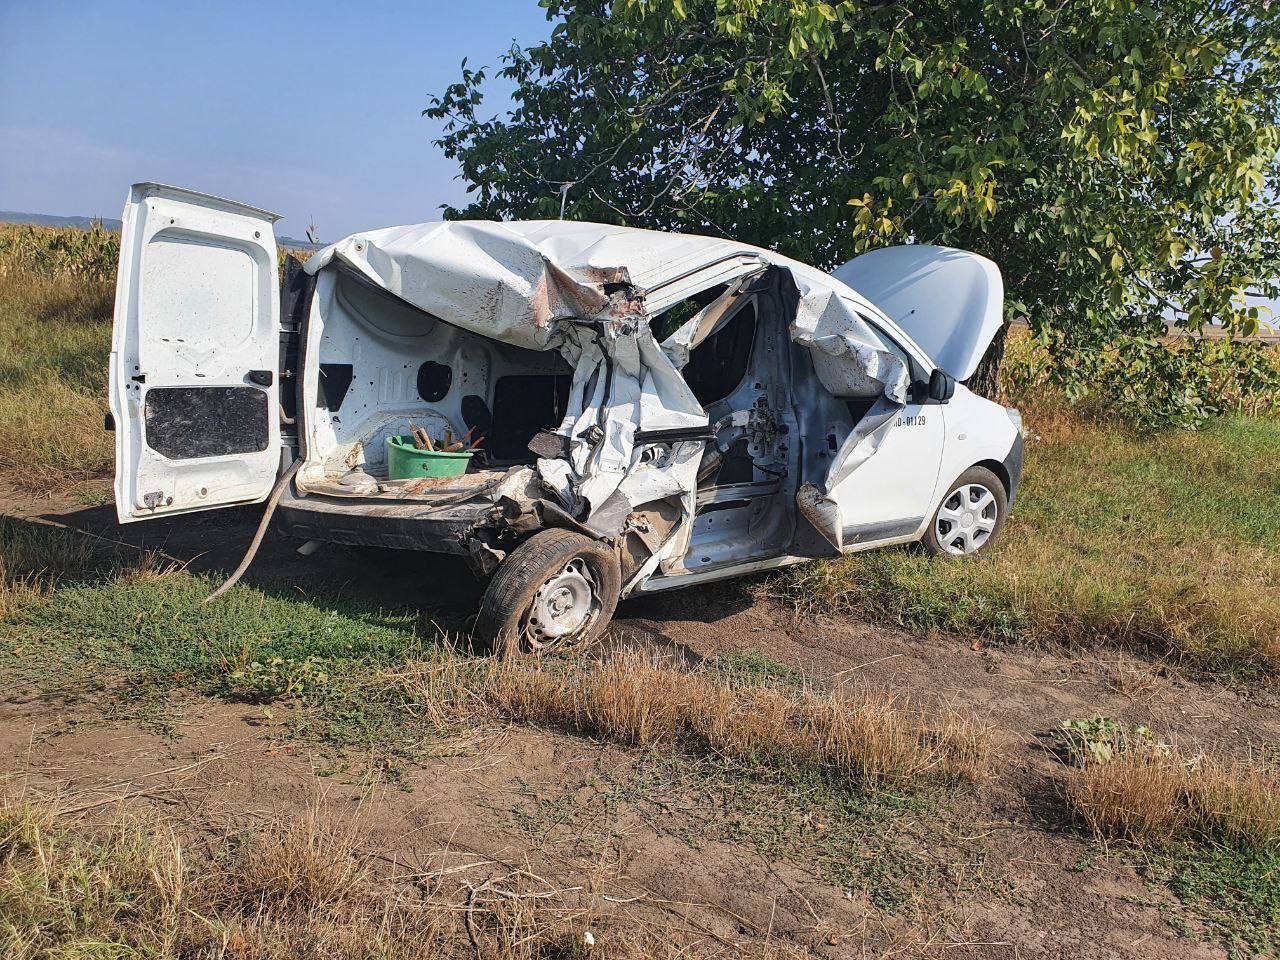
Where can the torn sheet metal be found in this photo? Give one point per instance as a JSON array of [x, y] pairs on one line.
[[545, 292], [848, 355], [851, 360], [581, 289]]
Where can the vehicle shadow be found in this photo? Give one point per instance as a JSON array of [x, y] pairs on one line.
[[369, 580], [706, 603]]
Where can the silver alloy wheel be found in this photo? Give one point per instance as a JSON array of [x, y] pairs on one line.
[[966, 519], [563, 608]]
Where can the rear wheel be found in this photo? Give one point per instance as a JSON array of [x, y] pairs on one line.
[[970, 516], [555, 591]]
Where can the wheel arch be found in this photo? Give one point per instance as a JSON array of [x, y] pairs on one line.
[[1001, 472]]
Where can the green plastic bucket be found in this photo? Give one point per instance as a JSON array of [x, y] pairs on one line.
[[407, 462]]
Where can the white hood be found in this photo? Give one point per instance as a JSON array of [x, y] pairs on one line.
[[951, 302]]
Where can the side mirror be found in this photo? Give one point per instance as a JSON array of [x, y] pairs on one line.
[[942, 386]]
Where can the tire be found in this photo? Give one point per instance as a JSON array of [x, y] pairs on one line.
[[581, 580], [970, 517]]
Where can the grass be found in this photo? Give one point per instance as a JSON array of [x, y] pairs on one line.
[[868, 740], [300, 888], [144, 630], [33, 558], [1166, 542], [898, 849], [55, 332], [1163, 542], [895, 847], [358, 668], [1208, 827], [1150, 796], [1235, 890]]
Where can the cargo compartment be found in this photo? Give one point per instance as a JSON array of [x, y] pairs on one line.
[[376, 364]]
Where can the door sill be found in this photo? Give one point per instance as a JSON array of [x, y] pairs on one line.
[[671, 581]]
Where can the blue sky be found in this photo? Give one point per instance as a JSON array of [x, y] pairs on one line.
[[308, 109]]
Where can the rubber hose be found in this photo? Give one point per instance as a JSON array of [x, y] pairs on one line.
[[252, 552]]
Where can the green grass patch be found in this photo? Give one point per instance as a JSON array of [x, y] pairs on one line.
[[1234, 890], [148, 638], [1164, 541], [251, 645], [750, 668]]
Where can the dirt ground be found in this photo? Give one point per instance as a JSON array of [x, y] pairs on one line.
[[553, 805]]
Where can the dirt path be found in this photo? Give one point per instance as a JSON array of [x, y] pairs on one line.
[[562, 807]]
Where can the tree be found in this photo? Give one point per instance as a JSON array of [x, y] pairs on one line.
[[1117, 158]]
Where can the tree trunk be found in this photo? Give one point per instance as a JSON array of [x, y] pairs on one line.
[[985, 381]]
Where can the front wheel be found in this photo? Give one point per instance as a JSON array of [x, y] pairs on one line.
[[556, 590], [970, 516]]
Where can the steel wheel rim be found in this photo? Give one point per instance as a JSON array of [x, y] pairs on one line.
[[966, 519], [563, 609]]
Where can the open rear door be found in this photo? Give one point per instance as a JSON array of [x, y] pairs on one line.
[[194, 352]]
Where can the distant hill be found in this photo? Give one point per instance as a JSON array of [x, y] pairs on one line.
[[46, 220], [112, 224]]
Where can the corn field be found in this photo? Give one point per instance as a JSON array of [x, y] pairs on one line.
[[90, 255], [64, 252]]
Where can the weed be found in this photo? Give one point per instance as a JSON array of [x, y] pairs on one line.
[[872, 842], [276, 678], [1236, 890], [752, 668], [1099, 739]]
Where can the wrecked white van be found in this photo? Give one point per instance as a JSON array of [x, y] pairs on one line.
[[650, 410]]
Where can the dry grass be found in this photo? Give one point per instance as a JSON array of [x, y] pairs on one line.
[[310, 862], [1236, 801], [54, 337], [33, 557], [633, 700], [298, 889], [1136, 797], [1146, 796]]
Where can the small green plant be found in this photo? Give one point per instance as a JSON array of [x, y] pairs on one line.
[[1099, 739], [749, 668], [277, 678]]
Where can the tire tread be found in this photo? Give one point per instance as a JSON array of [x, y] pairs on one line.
[[518, 578]]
